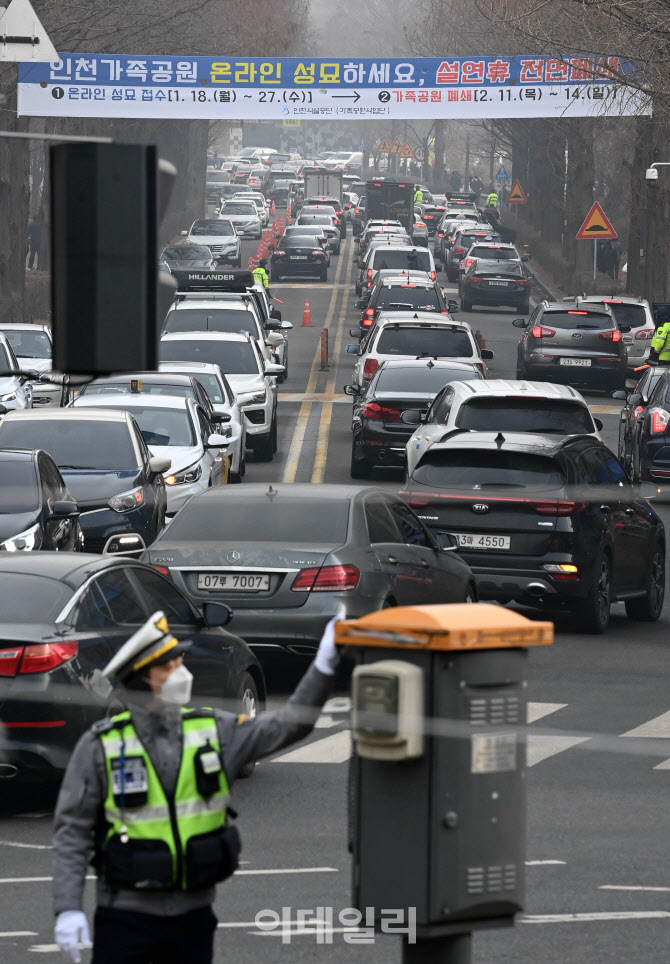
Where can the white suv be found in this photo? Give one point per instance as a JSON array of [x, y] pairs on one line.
[[244, 216], [414, 335], [227, 313], [499, 405], [241, 362], [637, 313]]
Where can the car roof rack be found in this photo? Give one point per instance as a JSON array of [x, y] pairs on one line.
[[213, 280]]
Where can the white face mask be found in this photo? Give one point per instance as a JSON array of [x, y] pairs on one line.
[[177, 687]]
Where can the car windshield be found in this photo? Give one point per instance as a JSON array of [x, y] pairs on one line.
[[408, 296], [28, 598], [484, 469], [315, 219], [186, 252], [282, 176], [239, 207], [27, 343], [422, 380], [18, 487], [626, 314], [210, 319], [213, 387], [299, 241], [222, 228], [503, 414], [422, 340], [576, 319], [389, 258], [148, 388], [164, 426], [232, 357], [495, 268], [319, 522], [81, 443], [467, 240], [321, 209]]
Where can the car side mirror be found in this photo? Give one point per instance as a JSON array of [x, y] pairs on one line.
[[635, 399], [521, 322], [63, 509], [487, 354], [624, 329], [356, 332], [287, 325], [351, 390], [221, 418], [271, 368], [216, 614], [453, 306], [360, 303], [621, 395], [446, 542], [411, 416], [275, 314], [438, 268], [159, 464], [184, 234], [272, 326], [598, 422], [216, 441], [354, 349]]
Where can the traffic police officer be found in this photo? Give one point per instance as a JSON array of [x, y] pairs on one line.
[[492, 199], [146, 796], [660, 343], [260, 274], [418, 196]]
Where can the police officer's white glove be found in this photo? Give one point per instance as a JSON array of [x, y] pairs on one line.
[[327, 657], [70, 931]]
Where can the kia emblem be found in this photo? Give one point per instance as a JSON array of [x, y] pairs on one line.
[[234, 556], [480, 507], [576, 335]]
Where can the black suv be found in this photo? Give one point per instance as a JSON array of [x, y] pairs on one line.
[[548, 522], [575, 343], [399, 295]]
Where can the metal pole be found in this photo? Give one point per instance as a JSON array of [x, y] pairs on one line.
[[324, 349], [438, 950], [595, 257]]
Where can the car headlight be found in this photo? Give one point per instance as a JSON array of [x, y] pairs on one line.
[[191, 474], [8, 398], [126, 501], [30, 539], [257, 398]]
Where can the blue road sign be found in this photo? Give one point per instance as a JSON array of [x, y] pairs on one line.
[[502, 174]]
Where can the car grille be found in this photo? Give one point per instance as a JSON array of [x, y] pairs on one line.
[[256, 417]]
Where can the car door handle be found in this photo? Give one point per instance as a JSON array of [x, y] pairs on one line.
[[393, 560]]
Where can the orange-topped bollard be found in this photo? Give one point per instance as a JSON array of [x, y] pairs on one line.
[[439, 795]]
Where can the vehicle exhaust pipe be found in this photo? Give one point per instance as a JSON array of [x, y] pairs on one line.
[[536, 589], [7, 771]]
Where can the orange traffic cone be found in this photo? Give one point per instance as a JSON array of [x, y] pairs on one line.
[[273, 209], [306, 316]]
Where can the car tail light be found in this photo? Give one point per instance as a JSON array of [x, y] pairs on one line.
[[326, 579], [578, 312], [459, 250], [540, 332], [358, 210], [35, 658], [635, 414], [645, 335], [614, 335], [433, 276], [440, 234], [369, 368], [278, 254], [558, 507], [474, 279], [164, 571], [468, 262], [375, 411], [368, 316], [522, 282], [369, 274], [659, 420], [317, 253]]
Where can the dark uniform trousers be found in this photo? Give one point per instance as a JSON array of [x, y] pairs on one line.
[[128, 937]]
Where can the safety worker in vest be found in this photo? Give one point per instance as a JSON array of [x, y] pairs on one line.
[[659, 352], [260, 273], [418, 196], [492, 199], [145, 797]]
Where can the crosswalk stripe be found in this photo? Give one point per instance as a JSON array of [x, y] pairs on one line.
[[658, 728], [331, 749], [537, 710], [542, 747]]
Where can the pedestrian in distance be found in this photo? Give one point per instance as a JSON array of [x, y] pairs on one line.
[[607, 258], [659, 352], [492, 198], [34, 241], [145, 798], [260, 274]]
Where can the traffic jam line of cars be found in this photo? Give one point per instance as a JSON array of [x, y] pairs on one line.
[[510, 493]]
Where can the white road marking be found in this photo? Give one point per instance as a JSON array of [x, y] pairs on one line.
[[663, 766], [27, 846], [542, 863], [595, 916], [657, 729], [18, 933], [325, 722], [655, 890], [332, 749], [537, 710], [541, 747], [289, 870]]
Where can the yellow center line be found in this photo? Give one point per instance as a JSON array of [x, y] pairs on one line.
[[298, 438]]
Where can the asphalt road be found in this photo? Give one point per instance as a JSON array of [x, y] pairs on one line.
[[599, 751]]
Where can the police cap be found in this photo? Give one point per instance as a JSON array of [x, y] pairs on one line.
[[152, 644]]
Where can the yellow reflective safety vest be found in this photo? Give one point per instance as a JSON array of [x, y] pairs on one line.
[[661, 342], [153, 841], [492, 199], [260, 274], [418, 197]]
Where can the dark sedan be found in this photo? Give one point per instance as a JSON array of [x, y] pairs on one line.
[[62, 618], [185, 256], [630, 421], [496, 283], [298, 255], [380, 431], [290, 557], [650, 438], [36, 508]]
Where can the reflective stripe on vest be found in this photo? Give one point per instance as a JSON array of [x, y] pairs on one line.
[[173, 820]]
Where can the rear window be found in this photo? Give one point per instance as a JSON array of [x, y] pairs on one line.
[[500, 254], [204, 228], [19, 486], [408, 296], [31, 599], [73, 443], [431, 342], [633, 315], [495, 268], [388, 258], [423, 380], [232, 357], [282, 521], [538, 415], [467, 240], [575, 319], [232, 321], [484, 469]]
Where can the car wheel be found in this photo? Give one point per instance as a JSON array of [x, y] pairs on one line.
[[595, 610], [262, 445], [648, 608], [247, 696], [360, 468]]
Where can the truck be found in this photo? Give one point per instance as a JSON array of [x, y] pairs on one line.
[[322, 183], [389, 199]]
